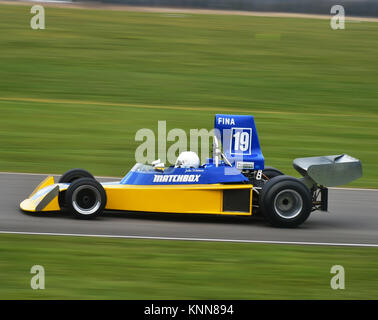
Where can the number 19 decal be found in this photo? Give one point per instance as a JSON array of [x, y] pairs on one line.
[[241, 141]]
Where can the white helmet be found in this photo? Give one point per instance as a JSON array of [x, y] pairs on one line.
[[187, 159]]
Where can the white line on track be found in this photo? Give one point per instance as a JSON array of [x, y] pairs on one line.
[[102, 177], [195, 239]]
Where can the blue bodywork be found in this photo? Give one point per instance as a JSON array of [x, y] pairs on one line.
[[207, 174], [231, 129], [241, 147]]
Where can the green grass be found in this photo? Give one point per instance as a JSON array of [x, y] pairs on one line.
[[312, 90], [99, 268]]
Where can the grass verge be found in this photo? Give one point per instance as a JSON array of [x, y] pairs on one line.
[[100, 268]]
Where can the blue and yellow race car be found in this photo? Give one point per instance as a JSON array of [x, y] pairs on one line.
[[234, 181]]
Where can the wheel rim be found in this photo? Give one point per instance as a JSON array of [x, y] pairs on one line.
[[86, 199], [288, 204]]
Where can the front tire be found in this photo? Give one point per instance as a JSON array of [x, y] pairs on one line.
[[285, 201], [69, 177], [85, 198]]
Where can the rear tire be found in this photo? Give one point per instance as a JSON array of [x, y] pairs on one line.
[[74, 174], [85, 198], [271, 172], [285, 201]]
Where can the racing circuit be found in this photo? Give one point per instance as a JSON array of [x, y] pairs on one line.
[[352, 220]]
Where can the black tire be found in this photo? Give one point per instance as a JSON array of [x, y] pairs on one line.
[[69, 177], [74, 174], [285, 201], [271, 172], [85, 198]]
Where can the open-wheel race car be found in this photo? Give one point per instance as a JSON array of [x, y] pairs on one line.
[[233, 182]]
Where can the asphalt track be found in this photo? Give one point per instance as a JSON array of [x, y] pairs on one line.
[[352, 220]]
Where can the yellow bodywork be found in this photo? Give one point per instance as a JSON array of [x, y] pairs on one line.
[[43, 198], [200, 199], [205, 199]]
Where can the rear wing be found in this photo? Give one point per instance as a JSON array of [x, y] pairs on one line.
[[329, 171], [240, 141]]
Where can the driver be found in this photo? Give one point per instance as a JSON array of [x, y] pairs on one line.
[[187, 159]]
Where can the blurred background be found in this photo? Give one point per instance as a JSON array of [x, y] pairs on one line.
[[354, 7], [74, 95]]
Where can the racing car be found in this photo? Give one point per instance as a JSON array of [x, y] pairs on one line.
[[234, 181]]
